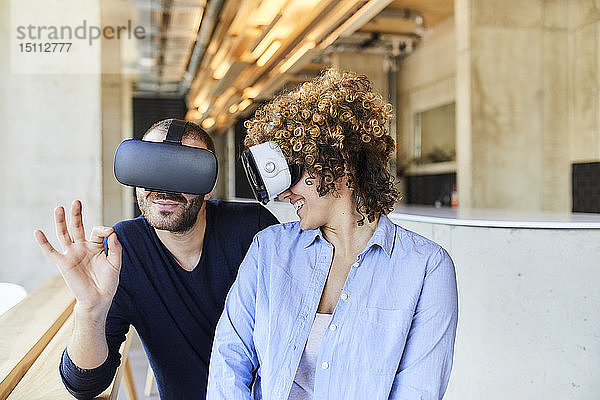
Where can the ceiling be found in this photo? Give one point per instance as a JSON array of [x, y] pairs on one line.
[[225, 55]]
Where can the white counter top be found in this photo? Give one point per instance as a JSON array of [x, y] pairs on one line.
[[495, 218], [489, 218]]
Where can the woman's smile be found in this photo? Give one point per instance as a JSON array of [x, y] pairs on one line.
[[298, 204]]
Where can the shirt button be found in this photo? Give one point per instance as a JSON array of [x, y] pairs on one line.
[[325, 365], [355, 265], [344, 296], [332, 327]]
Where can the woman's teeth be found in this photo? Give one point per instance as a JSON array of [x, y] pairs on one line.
[[298, 204]]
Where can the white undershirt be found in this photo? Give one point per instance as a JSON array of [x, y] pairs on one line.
[[304, 381]]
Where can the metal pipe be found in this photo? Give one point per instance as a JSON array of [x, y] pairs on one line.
[[207, 27]]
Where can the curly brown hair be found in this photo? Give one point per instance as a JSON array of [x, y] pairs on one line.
[[334, 126]]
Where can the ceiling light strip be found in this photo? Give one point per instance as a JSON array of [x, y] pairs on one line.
[[315, 13], [296, 56], [334, 19], [361, 17], [260, 41], [270, 52]]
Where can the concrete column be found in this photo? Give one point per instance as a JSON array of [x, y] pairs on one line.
[[50, 152], [112, 199], [464, 178], [584, 64], [500, 63], [527, 101], [220, 189], [114, 96], [556, 64], [127, 193]]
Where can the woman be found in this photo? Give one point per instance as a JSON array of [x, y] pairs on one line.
[[342, 304]]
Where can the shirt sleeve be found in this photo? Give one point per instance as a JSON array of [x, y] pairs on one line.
[[88, 383], [425, 366], [233, 361]]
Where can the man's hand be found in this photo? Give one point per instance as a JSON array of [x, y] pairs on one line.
[[91, 274]]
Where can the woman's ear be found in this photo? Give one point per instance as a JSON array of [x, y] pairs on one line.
[[342, 183]]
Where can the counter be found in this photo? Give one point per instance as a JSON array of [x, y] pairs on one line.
[[496, 218]]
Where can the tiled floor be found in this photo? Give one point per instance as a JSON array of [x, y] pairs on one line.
[[139, 366]]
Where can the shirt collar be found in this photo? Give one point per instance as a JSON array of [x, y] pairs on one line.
[[384, 235], [312, 235]]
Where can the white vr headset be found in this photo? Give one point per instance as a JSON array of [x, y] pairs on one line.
[[268, 171]]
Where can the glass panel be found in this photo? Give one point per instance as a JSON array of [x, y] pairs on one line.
[[435, 135]]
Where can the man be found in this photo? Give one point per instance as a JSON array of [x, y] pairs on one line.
[[166, 273]]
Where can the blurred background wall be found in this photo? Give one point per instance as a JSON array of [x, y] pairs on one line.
[[51, 154]]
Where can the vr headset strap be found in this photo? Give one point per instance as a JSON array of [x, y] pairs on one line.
[[175, 132]]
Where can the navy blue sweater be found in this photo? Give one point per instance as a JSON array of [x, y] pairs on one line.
[[173, 310]]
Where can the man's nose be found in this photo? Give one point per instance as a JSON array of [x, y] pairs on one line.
[[283, 195]]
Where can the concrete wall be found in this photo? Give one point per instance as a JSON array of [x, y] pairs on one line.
[[528, 319], [50, 155], [60, 135], [370, 64]]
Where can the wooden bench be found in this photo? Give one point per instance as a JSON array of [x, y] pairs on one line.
[[33, 335]]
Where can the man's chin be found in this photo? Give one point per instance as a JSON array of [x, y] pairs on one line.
[[164, 214], [181, 219], [161, 226], [169, 221]]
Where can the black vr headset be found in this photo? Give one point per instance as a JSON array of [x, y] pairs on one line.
[[268, 172], [166, 166]]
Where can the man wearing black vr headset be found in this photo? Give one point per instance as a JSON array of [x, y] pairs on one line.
[[167, 274]]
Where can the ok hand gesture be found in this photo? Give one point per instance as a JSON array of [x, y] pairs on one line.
[[91, 274]]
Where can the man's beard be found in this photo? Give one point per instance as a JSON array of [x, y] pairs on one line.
[[180, 220]]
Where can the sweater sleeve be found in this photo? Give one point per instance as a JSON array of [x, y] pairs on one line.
[[265, 218], [85, 383], [88, 383]]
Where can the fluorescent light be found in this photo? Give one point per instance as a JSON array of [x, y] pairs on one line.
[[221, 71], [266, 12], [203, 108], [208, 123], [332, 19], [193, 115], [251, 92], [296, 56], [268, 53], [202, 93], [361, 17], [244, 104], [233, 108]]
